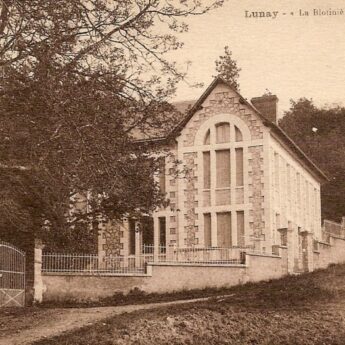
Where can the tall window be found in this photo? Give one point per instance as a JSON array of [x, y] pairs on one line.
[[207, 229], [222, 133], [223, 179], [162, 180], [225, 158], [239, 167], [224, 235], [240, 228], [223, 168], [207, 170], [162, 232], [131, 236], [147, 231]]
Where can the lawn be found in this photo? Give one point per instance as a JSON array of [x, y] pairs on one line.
[[308, 309]]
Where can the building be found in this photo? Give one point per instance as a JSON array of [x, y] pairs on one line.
[[244, 183]]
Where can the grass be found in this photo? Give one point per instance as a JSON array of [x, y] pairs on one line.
[[307, 310], [136, 296]]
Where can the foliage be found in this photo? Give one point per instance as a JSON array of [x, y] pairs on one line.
[[80, 80], [227, 68], [320, 134]]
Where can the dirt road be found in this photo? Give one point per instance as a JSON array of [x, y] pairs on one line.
[[56, 321]]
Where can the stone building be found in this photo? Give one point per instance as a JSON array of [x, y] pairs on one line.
[[242, 182]]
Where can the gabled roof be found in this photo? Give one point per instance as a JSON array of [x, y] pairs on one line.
[[274, 127]]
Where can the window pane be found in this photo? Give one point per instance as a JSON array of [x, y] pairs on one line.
[[239, 167], [131, 237], [276, 170], [223, 133], [240, 228], [147, 231], [162, 175], [207, 140], [238, 134], [223, 168], [207, 230], [224, 229], [207, 170], [162, 232]]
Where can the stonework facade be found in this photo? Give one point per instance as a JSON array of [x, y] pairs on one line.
[[256, 191], [111, 239], [238, 183]]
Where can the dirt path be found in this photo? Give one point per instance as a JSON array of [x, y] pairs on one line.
[[64, 320]]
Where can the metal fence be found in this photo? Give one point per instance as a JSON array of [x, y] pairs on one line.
[[209, 255], [12, 275], [92, 264], [136, 264]]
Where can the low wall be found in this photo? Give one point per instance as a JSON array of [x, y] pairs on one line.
[[86, 287], [261, 267], [329, 253], [162, 278], [322, 256], [338, 249], [168, 277]]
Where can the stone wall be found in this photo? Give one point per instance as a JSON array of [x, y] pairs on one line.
[[322, 256], [190, 199], [333, 228], [295, 193], [332, 252], [171, 169], [162, 278], [263, 267], [256, 191], [222, 101], [169, 277], [111, 236]]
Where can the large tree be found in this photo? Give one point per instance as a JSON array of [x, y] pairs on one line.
[[227, 69], [79, 80], [319, 131]]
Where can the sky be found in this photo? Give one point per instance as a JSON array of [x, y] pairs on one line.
[[292, 56]]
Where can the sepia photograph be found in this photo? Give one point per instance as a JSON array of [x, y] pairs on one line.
[[172, 172]]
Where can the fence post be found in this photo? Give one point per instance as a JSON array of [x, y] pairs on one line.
[[138, 254], [155, 239], [38, 282]]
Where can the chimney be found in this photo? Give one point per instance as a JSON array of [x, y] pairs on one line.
[[267, 106]]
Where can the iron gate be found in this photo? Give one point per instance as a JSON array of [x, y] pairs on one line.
[[12, 276]]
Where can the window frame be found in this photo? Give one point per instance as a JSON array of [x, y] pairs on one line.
[[206, 198]]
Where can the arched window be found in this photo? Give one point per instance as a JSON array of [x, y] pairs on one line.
[[207, 138], [222, 145], [222, 133], [238, 134], [221, 157]]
